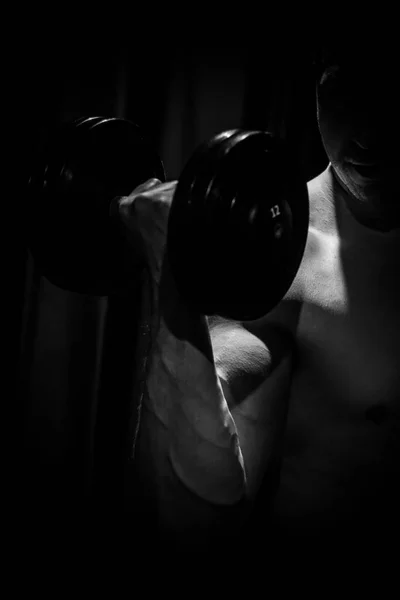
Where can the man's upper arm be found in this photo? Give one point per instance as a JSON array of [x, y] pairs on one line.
[[255, 374]]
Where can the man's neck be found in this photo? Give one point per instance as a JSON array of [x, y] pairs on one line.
[[342, 220]]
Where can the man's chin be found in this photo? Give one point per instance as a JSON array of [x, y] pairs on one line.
[[369, 203]]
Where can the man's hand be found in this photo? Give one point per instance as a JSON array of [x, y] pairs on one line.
[[144, 214]]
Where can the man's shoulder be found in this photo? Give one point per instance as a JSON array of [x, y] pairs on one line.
[[276, 329], [267, 338], [321, 236], [321, 183], [246, 357]]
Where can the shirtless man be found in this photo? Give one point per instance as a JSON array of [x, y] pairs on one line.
[[341, 461], [214, 409]]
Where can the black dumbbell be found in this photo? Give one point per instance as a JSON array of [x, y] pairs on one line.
[[82, 166], [237, 227]]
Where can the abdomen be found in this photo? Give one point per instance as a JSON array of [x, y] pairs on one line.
[[339, 469]]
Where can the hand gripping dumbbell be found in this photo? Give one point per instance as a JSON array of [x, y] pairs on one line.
[[237, 226]]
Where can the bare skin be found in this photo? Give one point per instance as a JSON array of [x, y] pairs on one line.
[[341, 458], [342, 444], [213, 407], [231, 382]]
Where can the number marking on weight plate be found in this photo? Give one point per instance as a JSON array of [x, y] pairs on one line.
[[275, 211]]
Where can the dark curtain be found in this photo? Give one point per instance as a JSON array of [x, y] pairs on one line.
[[74, 355]]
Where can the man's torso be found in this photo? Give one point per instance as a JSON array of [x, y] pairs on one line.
[[341, 457], [341, 454]]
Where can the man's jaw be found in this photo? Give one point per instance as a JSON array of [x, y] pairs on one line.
[[357, 207]]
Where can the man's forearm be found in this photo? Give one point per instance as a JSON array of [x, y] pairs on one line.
[[184, 392], [188, 462]]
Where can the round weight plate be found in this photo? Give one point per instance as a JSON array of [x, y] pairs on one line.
[[240, 211], [77, 245]]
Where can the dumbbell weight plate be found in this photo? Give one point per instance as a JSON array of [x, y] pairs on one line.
[[241, 212], [84, 166]]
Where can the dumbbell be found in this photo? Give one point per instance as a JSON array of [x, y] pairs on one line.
[[237, 226], [80, 167]]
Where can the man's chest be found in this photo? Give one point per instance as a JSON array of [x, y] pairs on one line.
[[343, 432], [348, 331]]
